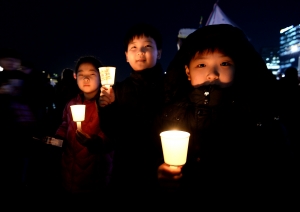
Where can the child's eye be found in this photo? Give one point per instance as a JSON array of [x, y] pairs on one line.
[[149, 46], [201, 65], [225, 64]]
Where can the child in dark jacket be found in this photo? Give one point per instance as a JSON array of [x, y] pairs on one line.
[[86, 163], [128, 112], [219, 90]]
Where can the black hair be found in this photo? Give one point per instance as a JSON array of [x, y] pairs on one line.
[[67, 73], [88, 59], [225, 38], [143, 29]]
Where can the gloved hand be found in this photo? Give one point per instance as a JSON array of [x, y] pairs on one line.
[[94, 143]]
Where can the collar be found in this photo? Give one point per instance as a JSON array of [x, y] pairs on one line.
[[211, 95], [80, 97], [148, 75]]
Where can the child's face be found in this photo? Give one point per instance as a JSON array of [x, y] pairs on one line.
[[10, 64], [211, 68], [142, 53], [88, 80]]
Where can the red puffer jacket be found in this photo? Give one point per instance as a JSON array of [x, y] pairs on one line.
[[82, 170]]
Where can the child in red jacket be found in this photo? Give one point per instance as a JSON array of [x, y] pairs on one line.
[[86, 165]]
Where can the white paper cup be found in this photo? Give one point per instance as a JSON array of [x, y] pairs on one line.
[[107, 75], [78, 112], [175, 147]]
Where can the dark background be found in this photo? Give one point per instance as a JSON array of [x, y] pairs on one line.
[[54, 34]]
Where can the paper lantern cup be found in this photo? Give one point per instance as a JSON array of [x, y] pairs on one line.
[[78, 112], [175, 147], [107, 75]]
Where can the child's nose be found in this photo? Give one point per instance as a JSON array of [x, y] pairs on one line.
[[141, 51], [213, 75]]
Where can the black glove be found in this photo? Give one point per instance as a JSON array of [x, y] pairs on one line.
[[94, 143]]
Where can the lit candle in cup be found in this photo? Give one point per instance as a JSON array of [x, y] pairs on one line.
[[175, 147], [107, 76], [78, 114]]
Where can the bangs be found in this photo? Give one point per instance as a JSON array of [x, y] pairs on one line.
[[143, 30], [211, 45]]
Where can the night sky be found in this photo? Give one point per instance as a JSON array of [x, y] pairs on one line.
[[54, 34]]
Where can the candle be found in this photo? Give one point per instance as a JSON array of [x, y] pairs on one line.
[[78, 114], [107, 76], [175, 146]]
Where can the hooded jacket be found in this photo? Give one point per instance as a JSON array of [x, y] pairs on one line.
[[237, 144]]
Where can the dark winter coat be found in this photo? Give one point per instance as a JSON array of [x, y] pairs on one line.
[[238, 149], [129, 122], [232, 151], [83, 170], [226, 139]]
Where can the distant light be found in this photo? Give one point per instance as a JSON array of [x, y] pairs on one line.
[[292, 60], [1, 69], [285, 29], [294, 48], [272, 66], [43, 71]]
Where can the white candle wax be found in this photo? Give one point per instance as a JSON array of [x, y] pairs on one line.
[[78, 125]]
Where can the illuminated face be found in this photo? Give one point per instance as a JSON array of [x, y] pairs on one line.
[[88, 80], [10, 64], [142, 53], [211, 68]]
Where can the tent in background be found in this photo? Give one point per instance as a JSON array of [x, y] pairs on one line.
[[217, 16]]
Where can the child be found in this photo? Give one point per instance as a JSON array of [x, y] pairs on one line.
[[129, 109], [86, 165], [219, 90]]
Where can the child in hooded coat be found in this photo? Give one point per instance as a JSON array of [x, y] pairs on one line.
[[219, 90]]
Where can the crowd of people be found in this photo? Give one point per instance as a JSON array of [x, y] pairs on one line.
[[243, 125]]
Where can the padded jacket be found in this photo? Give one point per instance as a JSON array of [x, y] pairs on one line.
[[83, 170]]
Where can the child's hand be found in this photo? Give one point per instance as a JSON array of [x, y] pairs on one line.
[[82, 137], [107, 96], [93, 142], [168, 177]]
